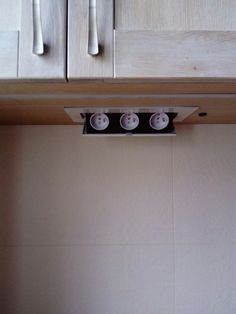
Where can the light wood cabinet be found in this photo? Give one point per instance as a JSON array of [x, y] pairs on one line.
[[21, 24], [175, 39], [52, 64], [8, 54], [135, 39], [81, 64], [9, 38]]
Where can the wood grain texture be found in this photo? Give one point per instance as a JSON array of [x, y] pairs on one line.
[[10, 15], [119, 87], [8, 55], [52, 64], [183, 15], [80, 63], [220, 109], [175, 54]]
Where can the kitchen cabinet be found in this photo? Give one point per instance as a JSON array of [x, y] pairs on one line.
[[90, 25], [33, 39], [8, 54], [135, 39], [9, 38], [186, 49], [175, 39]]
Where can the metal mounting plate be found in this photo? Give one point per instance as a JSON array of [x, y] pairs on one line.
[[76, 113]]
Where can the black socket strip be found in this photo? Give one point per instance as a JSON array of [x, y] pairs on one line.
[[114, 127]]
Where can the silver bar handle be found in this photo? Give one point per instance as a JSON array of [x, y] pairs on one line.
[[38, 46], [93, 47]]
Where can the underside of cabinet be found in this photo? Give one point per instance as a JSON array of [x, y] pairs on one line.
[[44, 103]]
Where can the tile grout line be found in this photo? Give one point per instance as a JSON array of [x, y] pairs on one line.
[[83, 245], [173, 243], [173, 223]]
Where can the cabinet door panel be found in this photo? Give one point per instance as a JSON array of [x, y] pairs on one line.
[[8, 55], [10, 15], [80, 63], [145, 54], [175, 39], [184, 15], [50, 65]]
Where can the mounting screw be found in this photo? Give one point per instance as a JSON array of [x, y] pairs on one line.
[[202, 114]]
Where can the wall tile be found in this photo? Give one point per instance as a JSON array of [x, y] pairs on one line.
[[87, 280], [62, 188], [205, 279], [205, 184], [93, 222]]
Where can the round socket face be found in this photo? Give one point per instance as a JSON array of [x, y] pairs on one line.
[[129, 121], [159, 121], [99, 121]]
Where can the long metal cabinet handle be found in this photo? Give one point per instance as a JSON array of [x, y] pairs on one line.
[[93, 48], [38, 46]]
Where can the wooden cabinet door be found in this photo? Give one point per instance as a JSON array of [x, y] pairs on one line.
[[21, 21], [8, 55], [9, 38], [175, 39], [51, 22], [81, 64]]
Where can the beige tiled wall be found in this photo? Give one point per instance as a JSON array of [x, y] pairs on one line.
[[117, 225]]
